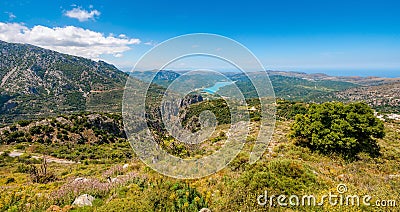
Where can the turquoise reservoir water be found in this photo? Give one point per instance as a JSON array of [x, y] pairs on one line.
[[216, 87]]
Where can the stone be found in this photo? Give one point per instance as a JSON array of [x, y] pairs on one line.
[[83, 200], [80, 179]]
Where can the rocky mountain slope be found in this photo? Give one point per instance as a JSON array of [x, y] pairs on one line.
[[39, 82]]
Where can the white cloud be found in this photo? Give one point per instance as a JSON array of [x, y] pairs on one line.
[[150, 43], [70, 40], [11, 15], [118, 55], [81, 14]]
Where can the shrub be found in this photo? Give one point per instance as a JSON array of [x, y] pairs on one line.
[[287, 110], [23, 168], [338, 128], [13, 128], [17, 136], [41, 174], [10, 180], [35, 130], [279, 176], [20, 146], [24, 123], [59, 136]]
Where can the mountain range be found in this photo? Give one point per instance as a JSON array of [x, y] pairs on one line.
[[37, 82]]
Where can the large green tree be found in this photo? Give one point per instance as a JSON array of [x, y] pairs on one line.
[[334, 127]]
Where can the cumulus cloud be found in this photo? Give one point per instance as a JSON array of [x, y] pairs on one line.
[[70, 39], [81, 14]]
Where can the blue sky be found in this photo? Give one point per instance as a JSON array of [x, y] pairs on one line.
[[334, 36]]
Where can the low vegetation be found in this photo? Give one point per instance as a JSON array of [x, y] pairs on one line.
[[103, 165]]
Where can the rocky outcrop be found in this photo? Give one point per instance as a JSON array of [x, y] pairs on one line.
[[191, 99]]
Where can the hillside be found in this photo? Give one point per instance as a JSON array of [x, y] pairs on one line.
[[285, 86], [48, 163], [165, 77], [110, 172], [380, 93], [352, 79], [385, 98], [162, 78], [37, 82], [292, 88]]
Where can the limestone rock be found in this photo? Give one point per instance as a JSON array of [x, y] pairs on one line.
[[83, 200]]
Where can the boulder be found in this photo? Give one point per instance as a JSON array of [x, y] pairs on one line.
[[83, 200], [191, 99], [125, 166]]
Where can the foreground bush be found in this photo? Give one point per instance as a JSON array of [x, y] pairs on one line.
[[334, 127]]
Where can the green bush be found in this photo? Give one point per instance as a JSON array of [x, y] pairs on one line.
[[336, 128], [17, 137], [10, 180], [23, 168], [279, 176], [35, 130], [288, 110], [24, 123]]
